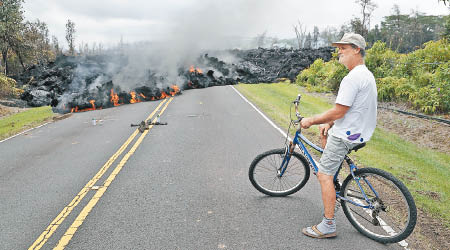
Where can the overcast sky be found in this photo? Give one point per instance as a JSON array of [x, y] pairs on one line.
[[107, 21]]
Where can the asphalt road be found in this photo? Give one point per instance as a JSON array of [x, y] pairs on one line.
[[183, 186]]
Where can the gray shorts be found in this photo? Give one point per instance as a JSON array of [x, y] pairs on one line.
[[334, 154]]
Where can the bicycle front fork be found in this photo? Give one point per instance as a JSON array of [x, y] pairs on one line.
[[289, 150]]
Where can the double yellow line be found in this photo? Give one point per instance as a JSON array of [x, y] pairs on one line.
[[40, 241]]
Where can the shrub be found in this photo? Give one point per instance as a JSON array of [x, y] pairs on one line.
[[420, 78], [322, 77], [381, 60], [7, 87]]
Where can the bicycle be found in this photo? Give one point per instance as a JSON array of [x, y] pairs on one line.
[[376, 203]]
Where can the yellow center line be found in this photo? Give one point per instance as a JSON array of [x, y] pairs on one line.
[[65, 239], [40, 241]]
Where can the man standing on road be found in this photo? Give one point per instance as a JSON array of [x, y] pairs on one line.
[[351, 121]]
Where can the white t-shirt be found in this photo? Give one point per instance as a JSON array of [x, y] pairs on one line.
[[359, 92]]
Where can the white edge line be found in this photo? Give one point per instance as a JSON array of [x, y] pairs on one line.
[[265, 117], [383, 224], [261, 113], [24, 132], [402, 243]]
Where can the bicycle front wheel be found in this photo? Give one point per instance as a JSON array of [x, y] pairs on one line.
[[393, 215], [264, 173]]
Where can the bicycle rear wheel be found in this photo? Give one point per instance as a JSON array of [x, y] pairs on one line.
[[264, 173], [394, 215]]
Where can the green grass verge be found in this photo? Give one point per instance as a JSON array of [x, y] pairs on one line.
[[16, 123], [425, 172]]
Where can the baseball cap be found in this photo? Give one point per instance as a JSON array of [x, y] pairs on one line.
[[352, 38]]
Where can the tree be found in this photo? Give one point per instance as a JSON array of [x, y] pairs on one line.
[[56, 46], [41, 44], [357, 26], [345, 28], [300, 32], [446, 31], [403, 33], [367, 7], [315, 40], [374, 35], [329, 35], [394, 27], [35, 46], [308, 41], [11, 17], [70, 36]]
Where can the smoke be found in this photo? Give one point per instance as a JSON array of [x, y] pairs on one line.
[[193, 30], [198, 28]]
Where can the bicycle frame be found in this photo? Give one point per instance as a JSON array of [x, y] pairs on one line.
[[298, 140], [387, 215]]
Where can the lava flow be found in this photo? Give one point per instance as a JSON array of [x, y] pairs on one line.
[[117, 99]]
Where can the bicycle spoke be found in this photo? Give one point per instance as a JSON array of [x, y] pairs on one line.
[[391, 216], [274, 164], [361, 216], [267, 168], [265, 173], [355, 196]]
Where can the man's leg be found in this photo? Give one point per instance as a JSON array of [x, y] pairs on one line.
[[328, 194], [332, 157], [327, 227]]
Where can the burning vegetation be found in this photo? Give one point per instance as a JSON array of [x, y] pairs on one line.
[[76, 84]]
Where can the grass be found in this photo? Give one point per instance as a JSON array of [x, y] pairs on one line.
[[425, 172], [16, 123]]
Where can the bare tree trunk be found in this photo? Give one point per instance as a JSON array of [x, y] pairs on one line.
[[20, 59], [5, 60], [300, 33]]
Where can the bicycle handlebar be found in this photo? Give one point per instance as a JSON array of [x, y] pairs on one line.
[[296, 102]]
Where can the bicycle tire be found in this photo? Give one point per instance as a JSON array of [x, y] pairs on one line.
[[268, 163], [397, 214]]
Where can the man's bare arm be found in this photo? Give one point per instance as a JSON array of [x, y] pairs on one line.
[[329, 116]]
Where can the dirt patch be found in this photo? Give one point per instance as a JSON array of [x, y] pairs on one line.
[[428, 133], [6, 110], [58, 117], [429, 233]]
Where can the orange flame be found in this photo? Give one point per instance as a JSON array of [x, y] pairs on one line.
[[133, 97], [114, 98], [76, 109], [163, 95], [93, 104], [142, 95], [175, 90], [192, 69]]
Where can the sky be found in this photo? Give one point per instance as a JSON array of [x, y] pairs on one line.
[[202, 21]]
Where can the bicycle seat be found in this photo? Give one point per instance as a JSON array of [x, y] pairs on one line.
[[358, 147]]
